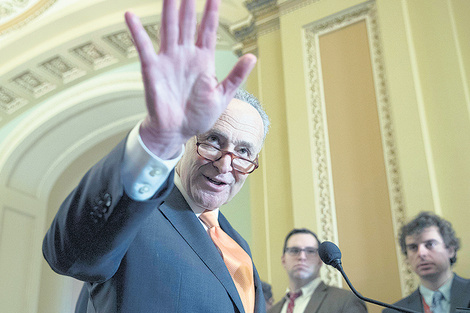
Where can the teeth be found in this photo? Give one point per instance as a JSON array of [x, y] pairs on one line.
[[215, 182]]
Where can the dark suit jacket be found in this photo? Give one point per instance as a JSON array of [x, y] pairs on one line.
[[460, 297], [329, 299], [149, 256]]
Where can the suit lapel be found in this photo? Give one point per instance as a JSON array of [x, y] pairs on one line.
[[278, 306], [460, 293], [185, 222], [317, 298], [415, 301]]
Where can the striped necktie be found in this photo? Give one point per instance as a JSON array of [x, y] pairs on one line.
[[292, 296]]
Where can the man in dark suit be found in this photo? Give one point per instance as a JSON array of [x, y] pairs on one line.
[[430, 246], [307, 293], [139, 243]]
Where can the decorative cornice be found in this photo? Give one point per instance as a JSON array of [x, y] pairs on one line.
[[10, 102], [15, 14], [265, 19], [245, 32], [290, 6], [268, 23], [65, 67], [76, 61], [260, 7]]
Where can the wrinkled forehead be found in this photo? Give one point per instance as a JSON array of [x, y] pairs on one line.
[[241, 122], [302, 240]]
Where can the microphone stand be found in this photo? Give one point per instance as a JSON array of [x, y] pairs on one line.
[[390, 306], [331, 255]]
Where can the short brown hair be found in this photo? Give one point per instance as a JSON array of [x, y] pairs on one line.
[[427, 219], [299, 231]]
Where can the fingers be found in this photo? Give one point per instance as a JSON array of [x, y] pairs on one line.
[[169, 27], [207, 35], [187, 22], [238, 74], [142, 41]]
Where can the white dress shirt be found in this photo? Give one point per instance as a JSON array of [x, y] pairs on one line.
[[143, 173], [302, 301]]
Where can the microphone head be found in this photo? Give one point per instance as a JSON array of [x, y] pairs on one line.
[[330, 254]]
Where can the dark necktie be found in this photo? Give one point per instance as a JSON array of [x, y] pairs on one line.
[[238, 262], [292, 296]]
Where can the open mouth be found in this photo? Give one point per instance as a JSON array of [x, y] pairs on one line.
[[215, 182]]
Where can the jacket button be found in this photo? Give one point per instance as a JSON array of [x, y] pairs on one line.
[[107, 199], [144, 189]]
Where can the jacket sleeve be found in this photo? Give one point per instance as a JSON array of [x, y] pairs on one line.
[[97, 222], [354, 305]]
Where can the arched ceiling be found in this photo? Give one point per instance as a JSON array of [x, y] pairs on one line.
[[47, 46]]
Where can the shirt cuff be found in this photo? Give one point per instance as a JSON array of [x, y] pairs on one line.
[[142, 172]]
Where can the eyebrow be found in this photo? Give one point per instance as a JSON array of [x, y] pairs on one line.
[[426, 241], [220, 134]]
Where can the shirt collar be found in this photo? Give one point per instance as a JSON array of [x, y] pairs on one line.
[[308, 289], [194, 207], [445, 289]]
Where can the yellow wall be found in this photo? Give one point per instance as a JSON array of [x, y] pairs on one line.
[[395, 110], [271, 220]]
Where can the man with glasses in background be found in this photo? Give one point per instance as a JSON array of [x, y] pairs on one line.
[[430, 246], [143, 235], [307, 293]]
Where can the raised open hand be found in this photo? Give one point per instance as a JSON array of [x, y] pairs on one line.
[[183, 96]]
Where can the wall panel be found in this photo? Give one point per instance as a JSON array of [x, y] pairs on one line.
[[17, 231]]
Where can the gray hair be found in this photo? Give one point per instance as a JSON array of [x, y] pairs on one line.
[[247, 97]]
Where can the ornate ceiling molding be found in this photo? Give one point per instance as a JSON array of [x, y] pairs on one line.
[[17, 13], [62, 68], [261, 7], [265, 19], [290, 6], [36, 79]]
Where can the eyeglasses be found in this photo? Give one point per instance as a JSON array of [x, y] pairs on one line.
[[295, 251], [213, 154]]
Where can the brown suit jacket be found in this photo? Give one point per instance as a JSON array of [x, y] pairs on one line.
[[328, 299]]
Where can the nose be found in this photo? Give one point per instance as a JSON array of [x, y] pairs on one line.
[[224, 164], [422, 250], [303, 254]]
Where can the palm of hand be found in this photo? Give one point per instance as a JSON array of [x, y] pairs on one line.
[[183, 96], [182, 92]]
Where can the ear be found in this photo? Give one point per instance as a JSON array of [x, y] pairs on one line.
[[407, 260], [320, 263], [451, 251], [283, 260]]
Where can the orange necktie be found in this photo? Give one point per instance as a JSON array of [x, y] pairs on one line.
[[238, 262]]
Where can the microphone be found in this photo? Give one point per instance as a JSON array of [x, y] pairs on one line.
[[331, 255]]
